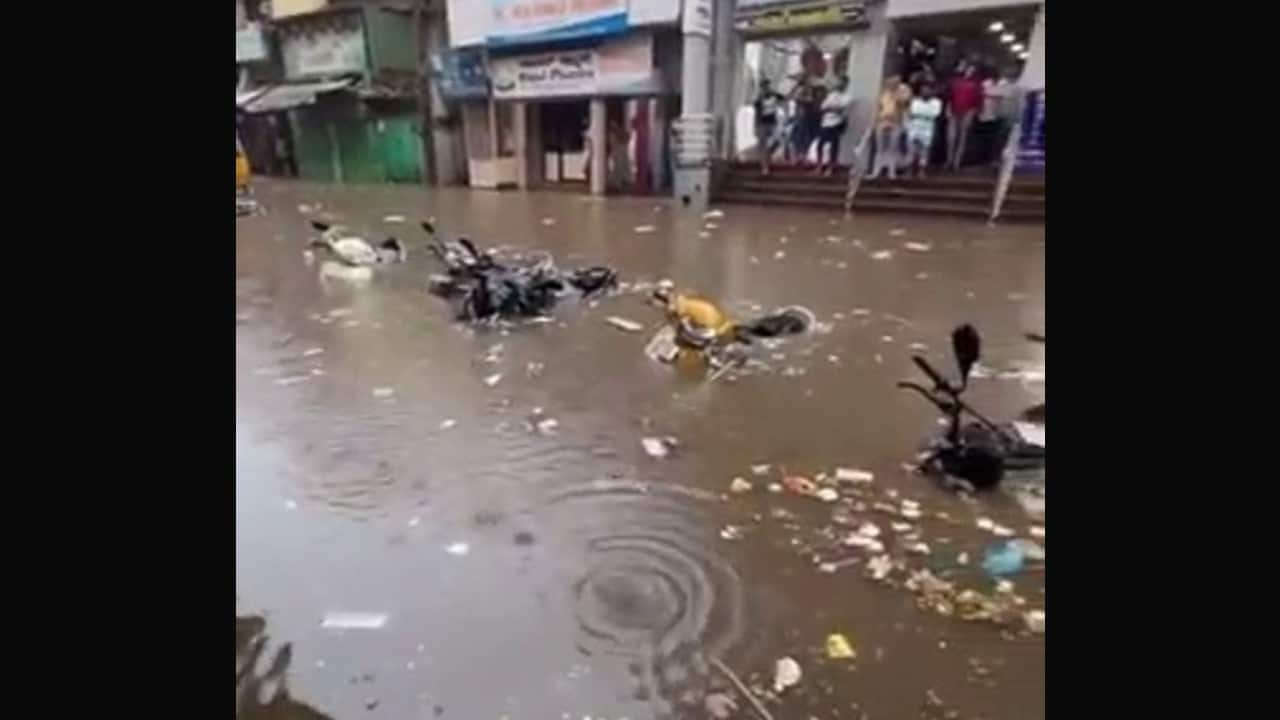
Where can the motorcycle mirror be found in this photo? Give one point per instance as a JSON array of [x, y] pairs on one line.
[[967, 345]]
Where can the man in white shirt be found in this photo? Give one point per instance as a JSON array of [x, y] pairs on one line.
[[835, 111]]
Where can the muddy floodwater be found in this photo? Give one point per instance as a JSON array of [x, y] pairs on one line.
[[414, 540]]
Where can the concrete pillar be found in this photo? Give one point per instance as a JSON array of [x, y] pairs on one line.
[[696, 131], [599, 151], [520, 128], [867, 54]]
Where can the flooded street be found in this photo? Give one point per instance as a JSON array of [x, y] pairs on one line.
[[413, 540]]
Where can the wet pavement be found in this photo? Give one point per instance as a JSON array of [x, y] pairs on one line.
[[498, 570]]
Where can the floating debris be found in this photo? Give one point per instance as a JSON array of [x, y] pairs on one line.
[[383, 392], [740, 485], [731, 532], [645, 229], [353, 621], [799, 484], [1003, 559], [713, 215], [854, 476], [1034, 620], [458, 548], [719, 706], [879, 567], [548, 221], [827, 494], [917, 246], [548, 426], [780, 255], [1030, 549], [624, 324], [658, 447], [775, 487], [493, 379], [760, 469], [882, 255], [786, 672], [1036, 531], [448, 424], [839, 647], [312, 352], [394, 219], [292, 380], [897, 232]]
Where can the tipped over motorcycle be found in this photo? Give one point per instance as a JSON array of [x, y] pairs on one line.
[[481, 287], [700, 336], [977, 453]]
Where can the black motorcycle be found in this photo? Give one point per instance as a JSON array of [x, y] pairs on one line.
[[485, 288], [979, 452]]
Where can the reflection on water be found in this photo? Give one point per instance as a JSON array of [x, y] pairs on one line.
[[262, 692]]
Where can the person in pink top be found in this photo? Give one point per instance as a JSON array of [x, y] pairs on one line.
[[962, 105]]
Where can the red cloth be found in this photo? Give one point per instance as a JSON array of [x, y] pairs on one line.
[[966, 94]]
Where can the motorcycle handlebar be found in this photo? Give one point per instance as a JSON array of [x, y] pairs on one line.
[[937, 379]]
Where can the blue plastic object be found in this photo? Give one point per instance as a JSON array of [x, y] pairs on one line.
[[1003, 559]]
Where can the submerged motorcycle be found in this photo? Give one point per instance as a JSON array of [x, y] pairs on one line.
[[978, 453], [699, 335], [483, 288]]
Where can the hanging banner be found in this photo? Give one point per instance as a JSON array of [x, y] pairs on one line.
[[461, 73], [519, 22], [324, 52], [624, 66], [697, 17]]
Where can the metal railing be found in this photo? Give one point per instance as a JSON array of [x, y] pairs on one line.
[[857, 167]]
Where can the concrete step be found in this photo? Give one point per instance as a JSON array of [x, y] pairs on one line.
[[879, 204]]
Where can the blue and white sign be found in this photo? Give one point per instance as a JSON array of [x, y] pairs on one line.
[[522, 22]]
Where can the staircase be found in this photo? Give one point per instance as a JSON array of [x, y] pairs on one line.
[[965, 194]]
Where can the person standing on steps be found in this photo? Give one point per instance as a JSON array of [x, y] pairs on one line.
[[922, 117], [964, 98], [835, 111], [893, 103], [807, 96], [768, 107]]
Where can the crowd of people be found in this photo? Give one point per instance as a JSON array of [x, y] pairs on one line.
[[970, 113]]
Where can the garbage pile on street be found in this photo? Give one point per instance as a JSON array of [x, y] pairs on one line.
[[888, 536], [482, 287]]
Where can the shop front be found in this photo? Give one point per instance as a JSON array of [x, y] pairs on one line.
[[997, 46], [795, 53], [580, 94]]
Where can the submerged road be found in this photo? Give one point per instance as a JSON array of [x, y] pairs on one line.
[[413, 540]]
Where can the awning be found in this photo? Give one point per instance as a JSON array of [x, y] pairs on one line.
[[286, 97]]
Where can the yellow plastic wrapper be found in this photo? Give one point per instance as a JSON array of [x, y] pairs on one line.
[[839, 647]]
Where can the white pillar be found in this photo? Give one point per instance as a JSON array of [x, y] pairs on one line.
[[696, 130], [599, 154]]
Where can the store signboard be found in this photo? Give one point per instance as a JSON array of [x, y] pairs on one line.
[[619, 67], [697, 17], [320, 53], [251, 44], [792, 16], [529, 21]]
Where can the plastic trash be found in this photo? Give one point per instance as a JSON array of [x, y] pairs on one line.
[[851, 475], [493, 379], [458, 548], [645, 229], [383, 392], [786, 672], [720, 706], [1003, 559], [1034, 620], [658, 447], [799, 484], [394, 219], [917, 246], [1030, 549], [713, 214], [839, 647], [740, 485], [353, 621], [624, 324], [882, 255], [448, 424], [827, 494]]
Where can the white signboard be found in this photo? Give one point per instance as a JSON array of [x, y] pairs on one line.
[[323, 53], [615, 67], [697, 17]]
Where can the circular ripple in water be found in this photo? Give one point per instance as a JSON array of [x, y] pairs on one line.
[[651, 585]]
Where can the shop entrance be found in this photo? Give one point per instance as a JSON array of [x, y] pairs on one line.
[[935, 50], [801, 70], [565, 143]]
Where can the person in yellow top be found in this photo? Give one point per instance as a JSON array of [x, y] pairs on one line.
[[891, 108]]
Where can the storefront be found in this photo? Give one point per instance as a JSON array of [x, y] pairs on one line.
[[804, 49], [581, 94], [1002, 41], [346, 111]]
